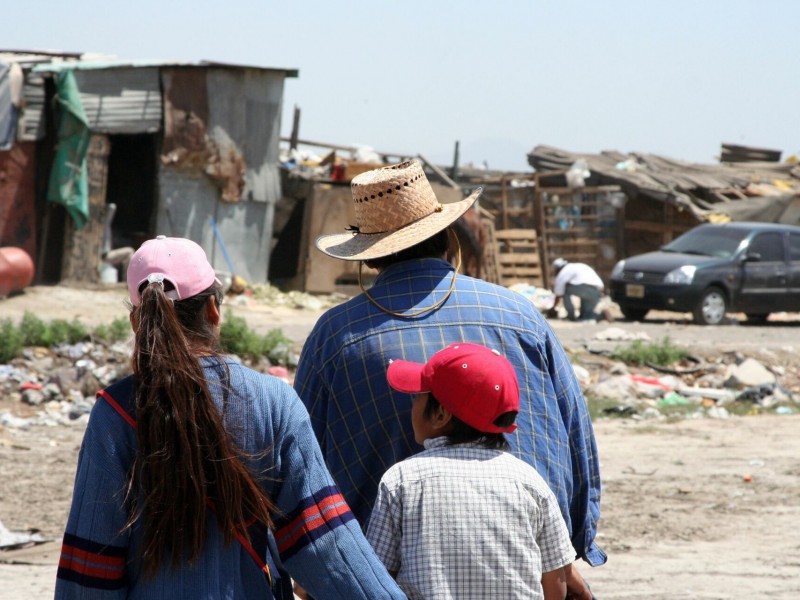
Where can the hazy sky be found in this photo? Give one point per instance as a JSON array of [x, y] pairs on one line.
[[676, 77]]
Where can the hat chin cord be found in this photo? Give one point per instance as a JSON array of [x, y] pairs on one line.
[[422, 311]]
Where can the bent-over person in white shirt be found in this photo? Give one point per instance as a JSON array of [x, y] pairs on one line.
[[577, 280]]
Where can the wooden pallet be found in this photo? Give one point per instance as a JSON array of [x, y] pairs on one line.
[[517, 257]]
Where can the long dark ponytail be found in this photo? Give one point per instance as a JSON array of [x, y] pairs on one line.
[[185, 460]]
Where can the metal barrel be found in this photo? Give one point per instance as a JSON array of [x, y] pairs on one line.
[[16, 270]]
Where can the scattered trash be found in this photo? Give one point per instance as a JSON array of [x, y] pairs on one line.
[[651, 381], [583, 375], [750, 373], [625, 411], [14, 540], [718, 412], [719, 396], [617, 334], [279, 372], [673, 399], [542, 298]]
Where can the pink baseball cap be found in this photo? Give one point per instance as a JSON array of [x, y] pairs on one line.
[[180, 261], [473, 382]]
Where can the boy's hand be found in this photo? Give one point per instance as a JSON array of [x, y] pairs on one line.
[[576, 586]]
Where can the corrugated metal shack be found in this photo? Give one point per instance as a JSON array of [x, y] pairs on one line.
[[183, 149], [664, 197]]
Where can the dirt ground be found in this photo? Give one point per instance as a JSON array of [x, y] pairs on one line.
[[700, 508]]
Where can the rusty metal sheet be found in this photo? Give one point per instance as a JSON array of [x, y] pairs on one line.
[[185, 118], [17, 197]]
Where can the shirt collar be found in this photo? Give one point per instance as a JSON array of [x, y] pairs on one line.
[[441, 441], [415, 266]]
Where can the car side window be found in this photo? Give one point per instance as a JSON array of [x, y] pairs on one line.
[[794, 246], [768, 245]]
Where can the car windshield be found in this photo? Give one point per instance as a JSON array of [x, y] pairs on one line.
[[708, 241]]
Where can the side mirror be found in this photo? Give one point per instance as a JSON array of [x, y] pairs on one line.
[[751, 257]]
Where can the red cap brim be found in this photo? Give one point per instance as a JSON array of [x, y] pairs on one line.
[[406, 376]]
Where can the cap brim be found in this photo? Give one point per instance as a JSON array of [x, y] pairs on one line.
[[405, 376], [366, 246]]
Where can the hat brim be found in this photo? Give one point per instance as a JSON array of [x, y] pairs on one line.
[[367, 246], [406, 376]]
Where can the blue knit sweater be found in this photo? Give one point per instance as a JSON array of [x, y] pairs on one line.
[[319, 541]]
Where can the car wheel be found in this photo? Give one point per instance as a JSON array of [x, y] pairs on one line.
[[711, 308], [633, 314], [759, 319]]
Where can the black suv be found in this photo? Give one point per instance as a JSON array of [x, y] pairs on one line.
[[713, 269]]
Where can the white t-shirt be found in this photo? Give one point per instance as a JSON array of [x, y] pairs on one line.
[[576, 274]]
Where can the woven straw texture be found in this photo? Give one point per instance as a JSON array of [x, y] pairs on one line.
[[395, 208]]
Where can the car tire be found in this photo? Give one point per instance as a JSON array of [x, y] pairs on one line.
[[633, 314], [711, 308]]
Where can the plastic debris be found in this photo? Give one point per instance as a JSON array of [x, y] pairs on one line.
[[12, 540]]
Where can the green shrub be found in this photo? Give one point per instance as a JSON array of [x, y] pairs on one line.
[[34, 331], [237, 338], [277, 346], [662, 353], [10, 341], [67, 332], [118, 331]]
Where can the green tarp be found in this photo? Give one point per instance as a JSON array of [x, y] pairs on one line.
[[68, 179]]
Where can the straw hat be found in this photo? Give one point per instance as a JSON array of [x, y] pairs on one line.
[[395, 209]]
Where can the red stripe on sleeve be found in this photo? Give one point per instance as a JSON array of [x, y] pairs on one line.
[[310, 519], [77, 553], [79, 561]]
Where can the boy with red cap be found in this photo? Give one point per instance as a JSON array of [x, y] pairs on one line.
[[464, 518]]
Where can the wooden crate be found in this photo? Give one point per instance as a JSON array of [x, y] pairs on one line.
[[353, 168], [518, 258]]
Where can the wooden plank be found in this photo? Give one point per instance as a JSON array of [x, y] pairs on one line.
[[581, 203], [328, 208], [440, 173], [517, 254], [515, 234], [491, 263], [653, 227], [572, 243], [584, 190], [518, 211], [570, 217], [518, 257], [520, 271], [549, 231]]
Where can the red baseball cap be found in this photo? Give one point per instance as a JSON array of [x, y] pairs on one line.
[[180, 261], [473, 382]]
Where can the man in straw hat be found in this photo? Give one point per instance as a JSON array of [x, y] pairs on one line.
[[417, 304]]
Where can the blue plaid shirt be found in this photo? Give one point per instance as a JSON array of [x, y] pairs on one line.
[[364, 427]]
